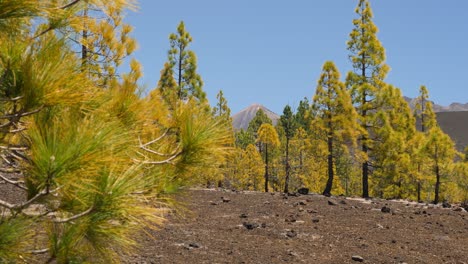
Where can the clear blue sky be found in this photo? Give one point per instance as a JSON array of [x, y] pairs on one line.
[[271, 51]]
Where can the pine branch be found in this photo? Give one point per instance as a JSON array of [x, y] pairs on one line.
[[74, 217], [15, 183]]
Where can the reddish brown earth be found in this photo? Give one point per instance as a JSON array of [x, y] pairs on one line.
[[305, 229], [301, 229]]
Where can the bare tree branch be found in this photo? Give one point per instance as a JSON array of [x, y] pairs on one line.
[[16, 183], [65, 220], [22, 205], [39, 251]]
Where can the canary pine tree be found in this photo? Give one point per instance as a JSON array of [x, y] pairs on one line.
[[97, 32], [334, 117], [267, 136], [441, 152], [368, 60], [93, 164], [426, 119], [184, 64], [393, 155], [289, 126]]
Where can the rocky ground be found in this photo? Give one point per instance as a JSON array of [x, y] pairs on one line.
[[251, 227], [222, 226]]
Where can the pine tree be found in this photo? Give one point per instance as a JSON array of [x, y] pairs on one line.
[[95, 161], [368, 60], [267, 136], [259, 119], [167, 86], [221, 108], [96, 31], [426, 118], [302, 116], [288, 123], [334, 116], [393, 155], [441, 151], [184, 62]]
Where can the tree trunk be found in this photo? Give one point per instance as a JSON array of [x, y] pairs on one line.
[[365, 164], [266, 168], [437, 185], [84, 48], [328, 187], [288, 168]]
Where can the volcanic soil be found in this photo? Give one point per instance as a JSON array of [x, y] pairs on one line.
[[224, 226]]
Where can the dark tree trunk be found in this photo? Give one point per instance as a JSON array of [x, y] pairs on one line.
[[288, 168], [179, 80], [365, 164], [437, 185], [84, 48], [266, 168], [328, 187]]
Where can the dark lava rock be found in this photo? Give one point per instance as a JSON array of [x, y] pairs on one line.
[[303, 191], [213, 203], [243, 216], [445, 204], [386, 209], [331, 202], [315, 220], [194, 245], [291, 234], [225, 200], [357, 258], [300, 203], [250, 226], [343, 202], [264, 225], [312, 211]]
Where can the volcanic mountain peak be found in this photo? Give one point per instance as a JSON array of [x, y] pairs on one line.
[[242, 119]]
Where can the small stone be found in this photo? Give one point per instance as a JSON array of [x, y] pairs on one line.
[[194, 245], [225, 199], [267, 202], [357, 258], [312, 211], [331, 202], [250, 226], [386, 209], [213, 203], [291, 234], [343, 202], [264, 225], [315, 220], [393, 241], [243, 216], [458, 209], [445, 204]]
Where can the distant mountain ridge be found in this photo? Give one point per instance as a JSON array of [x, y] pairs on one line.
[[453, 107]]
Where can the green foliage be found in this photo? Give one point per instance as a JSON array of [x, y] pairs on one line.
[[335, 117], [184, 63], [303, 116], [288, 123], [259, 119], [96, 164], [244, 138]]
